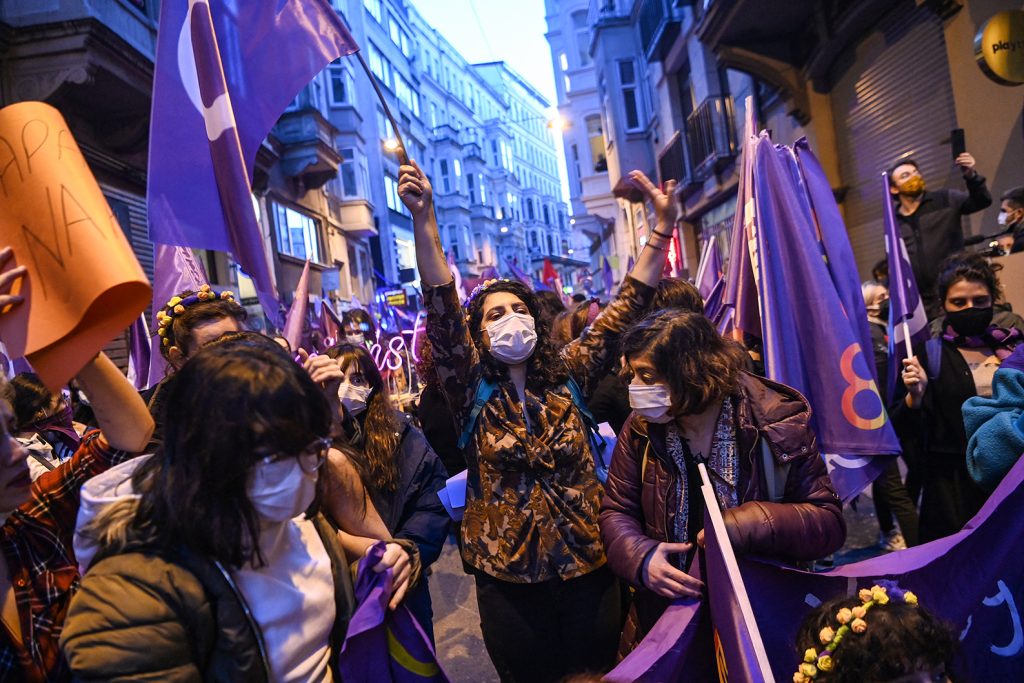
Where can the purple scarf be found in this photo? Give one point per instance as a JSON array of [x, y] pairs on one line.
[[1000, 339], [60, 428]]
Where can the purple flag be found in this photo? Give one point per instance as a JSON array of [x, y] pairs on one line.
[[709, 271], [295, 321], [457, 276], [810, 343], [217, 91], [740, 312], [739, 650], [607, 277], [381, 645], [907, 319], [519, 274], [329, 323], [175, 269], [140, 350]]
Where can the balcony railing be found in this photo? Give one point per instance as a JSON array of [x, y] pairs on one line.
[[711, 137], [659, 27]]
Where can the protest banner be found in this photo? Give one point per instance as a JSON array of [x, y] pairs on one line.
[[84, 285]]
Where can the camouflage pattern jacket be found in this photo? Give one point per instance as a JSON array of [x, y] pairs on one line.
[[532, 496]]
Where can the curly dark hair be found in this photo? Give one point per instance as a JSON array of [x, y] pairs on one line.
[[699, 365], [545, 369], [377, 459], [549, 304], [179, 332], [232, 403], [900, 640], [569, 324], [971, 267], [674, 292]]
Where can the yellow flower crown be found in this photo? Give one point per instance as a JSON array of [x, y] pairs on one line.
[[849, 620], [176, 305]]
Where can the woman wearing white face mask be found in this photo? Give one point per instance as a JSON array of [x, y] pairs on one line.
[[693, 402], [208, 560], [548, 605], [401, 471]]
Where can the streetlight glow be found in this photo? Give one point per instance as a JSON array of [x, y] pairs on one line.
[[391, 145], [504, 229], [558, 123]]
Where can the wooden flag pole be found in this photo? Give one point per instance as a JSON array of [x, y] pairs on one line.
[[403, 156]]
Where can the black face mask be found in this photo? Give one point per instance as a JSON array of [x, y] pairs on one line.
[[970, 322], [883, 310]]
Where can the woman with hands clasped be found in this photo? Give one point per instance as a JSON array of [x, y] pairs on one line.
[[548, 605], [693, 403]]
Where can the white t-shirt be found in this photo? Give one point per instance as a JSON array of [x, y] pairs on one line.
[[292, 601]]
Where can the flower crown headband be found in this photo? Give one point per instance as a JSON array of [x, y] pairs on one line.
[[849, 620], [177, 305], [481, 288]]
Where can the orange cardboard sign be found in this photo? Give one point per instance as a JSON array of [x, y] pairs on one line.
[[84, 285]]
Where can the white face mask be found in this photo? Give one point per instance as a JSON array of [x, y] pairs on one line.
[[513, 338], [1002, 218], [651, 401], [281, 490], [355, 339], [354, 398]]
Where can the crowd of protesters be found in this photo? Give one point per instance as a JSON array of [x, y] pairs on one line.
[[206, 529]]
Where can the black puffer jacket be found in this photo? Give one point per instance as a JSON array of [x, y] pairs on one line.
[[141, 615]]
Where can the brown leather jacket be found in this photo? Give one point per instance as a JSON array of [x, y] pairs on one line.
[[808, 524]]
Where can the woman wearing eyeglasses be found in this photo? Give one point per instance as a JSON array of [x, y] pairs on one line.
[[209, 560]]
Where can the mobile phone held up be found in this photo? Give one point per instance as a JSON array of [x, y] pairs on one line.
[[957, 141]]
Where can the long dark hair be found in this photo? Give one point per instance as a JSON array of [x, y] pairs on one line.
[[376, 460], [233, 403], [545, 368], [699, 366]]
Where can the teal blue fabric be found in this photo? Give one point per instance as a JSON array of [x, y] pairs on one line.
[[995, 428]]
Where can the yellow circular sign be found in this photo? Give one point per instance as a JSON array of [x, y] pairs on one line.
[[999, 47]]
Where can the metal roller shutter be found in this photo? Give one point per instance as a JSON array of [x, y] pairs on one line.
[[895, 99]]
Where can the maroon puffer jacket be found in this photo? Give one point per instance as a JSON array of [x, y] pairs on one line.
[[636, 515]]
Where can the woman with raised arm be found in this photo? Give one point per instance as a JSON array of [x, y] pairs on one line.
[[548, 605]]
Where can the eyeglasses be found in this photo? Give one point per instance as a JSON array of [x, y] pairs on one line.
[[310, 458]]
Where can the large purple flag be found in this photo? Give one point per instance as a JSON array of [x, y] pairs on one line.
[[607, 277], [217, 91], [709, 271], [382, 645], [175, 269], [140, 350], [973, 580], [810, 341], [907, 318]]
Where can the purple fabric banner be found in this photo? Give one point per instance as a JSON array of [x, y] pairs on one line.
[[330, 324], [972, 580], [381, 645], [607, 277], [741, 314], [217, 91], [140, 352], [810, 343], [295, 321], [709, 271], [906, 311], [457, 276]]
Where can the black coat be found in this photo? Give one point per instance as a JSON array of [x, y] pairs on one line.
[[949, 497], [936, 231], [438, 426]]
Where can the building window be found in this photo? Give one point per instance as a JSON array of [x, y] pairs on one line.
[[338, 88], [579, 23], [471, 184], [373, 7], [576, 168], [529, 208], [547, 216], [630, 101], [298, 235], [349, 175], [595, 136], [393, 199], [446, 180], [563, 61]]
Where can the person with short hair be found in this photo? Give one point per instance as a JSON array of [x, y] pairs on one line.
[[1011, 217], [936, 382], [188, 321], [357, 327], [931, 221], [693, 402]]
